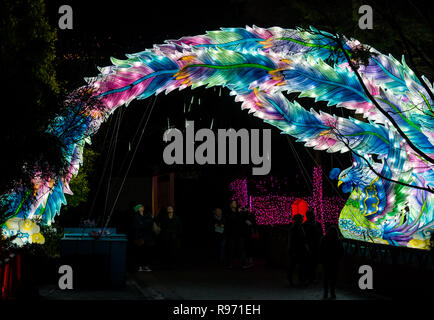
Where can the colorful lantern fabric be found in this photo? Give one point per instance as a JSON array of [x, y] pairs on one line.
[[25, 230], [257, 65]]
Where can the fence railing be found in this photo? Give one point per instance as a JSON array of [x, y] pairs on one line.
[[375, 252], [387, 254], [10, 276]]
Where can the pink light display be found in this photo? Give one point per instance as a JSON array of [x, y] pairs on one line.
[[317, 198], [273, 209], [239, 189]]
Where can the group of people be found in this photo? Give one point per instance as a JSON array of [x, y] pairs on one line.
[[307, 248], [156, 237], [234, 232]]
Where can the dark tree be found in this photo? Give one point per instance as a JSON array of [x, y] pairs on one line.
[[30, 91]]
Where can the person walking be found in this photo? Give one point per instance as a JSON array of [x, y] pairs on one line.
[[233, 234], [144, 237], [313, 232], [171, 230], [297, 249], [218, 232], [247, 226], [331, 252]]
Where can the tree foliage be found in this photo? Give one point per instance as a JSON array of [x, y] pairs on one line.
[[80, 183], [31, 92], [32, 96]]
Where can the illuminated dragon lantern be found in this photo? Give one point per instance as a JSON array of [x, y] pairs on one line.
[[392, 142]]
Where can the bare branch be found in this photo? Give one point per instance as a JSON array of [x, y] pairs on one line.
[[385, 113], [344, 140]]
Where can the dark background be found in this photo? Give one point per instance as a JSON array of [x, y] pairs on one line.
[[103, 29]]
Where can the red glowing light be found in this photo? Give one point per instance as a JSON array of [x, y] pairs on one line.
[[273, 209], [299, 206]]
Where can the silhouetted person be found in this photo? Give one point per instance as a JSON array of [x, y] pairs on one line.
[[297, 248], [171, 229], [313, 232], [218, 231], [159, 246], [144, 237], [233, 234], [248, 223], [331, 252]]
